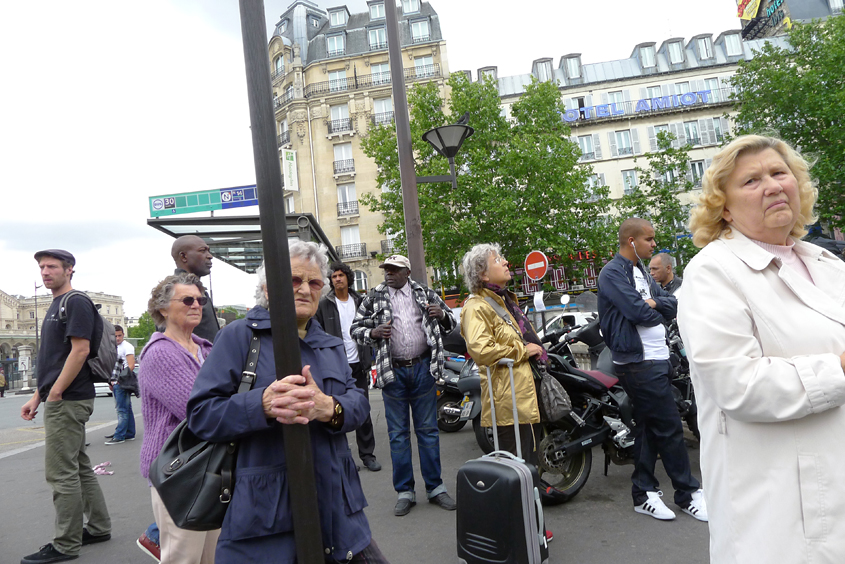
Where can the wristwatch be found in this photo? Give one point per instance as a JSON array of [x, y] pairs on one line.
[[337, 417]]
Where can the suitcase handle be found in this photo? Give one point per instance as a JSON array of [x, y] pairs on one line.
[[541, 521], [509, 363]]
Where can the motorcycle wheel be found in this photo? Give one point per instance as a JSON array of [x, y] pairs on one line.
[[570, 474], [483, 435], [449, 423]]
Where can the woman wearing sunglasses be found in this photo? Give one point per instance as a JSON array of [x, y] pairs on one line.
[[259, 523], [170, 364]]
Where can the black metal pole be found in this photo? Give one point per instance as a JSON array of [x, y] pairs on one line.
[[300, 465], [410, 199]]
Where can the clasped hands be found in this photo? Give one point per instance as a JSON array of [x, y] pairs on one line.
[[296, 399]]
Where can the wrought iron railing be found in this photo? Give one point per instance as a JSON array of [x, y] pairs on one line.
[[347, 208], [337, 52], [375, 46], [388, 246], [693, 140], [587, 156], [625, 151], [347, 165], [422, 38], [382, 119], [277, 75], [338, 125], [284, 138], [365, 81], [355, 250]]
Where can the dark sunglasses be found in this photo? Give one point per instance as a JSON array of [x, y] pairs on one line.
[[189, 300], [315, 284]]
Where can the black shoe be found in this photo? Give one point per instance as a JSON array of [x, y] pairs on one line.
[[47, 554], [372, 464], [88, 538], [403, 506], [110, 436], [444, 501]]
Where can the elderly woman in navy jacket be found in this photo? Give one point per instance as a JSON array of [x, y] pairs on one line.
[[259, 523]]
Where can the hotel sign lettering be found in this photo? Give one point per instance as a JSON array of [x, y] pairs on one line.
[[644, 105]]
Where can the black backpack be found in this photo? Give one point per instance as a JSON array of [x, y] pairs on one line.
[[103, 345]]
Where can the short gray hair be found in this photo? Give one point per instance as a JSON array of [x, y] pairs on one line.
[[303, 250], [666, 260], [474, 264], [163, 292]]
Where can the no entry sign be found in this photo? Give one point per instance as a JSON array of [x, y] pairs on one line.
[[536, 265]]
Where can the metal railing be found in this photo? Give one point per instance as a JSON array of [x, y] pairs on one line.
[[422, 38], [337, 52], [347, 208], [347, 165], [693, 140], [378, 45], [366, 81], [625, 151], [355, 250], [284, 138], [277, 74], [388, 246], [382, 119], [587, 156], [338, 125]]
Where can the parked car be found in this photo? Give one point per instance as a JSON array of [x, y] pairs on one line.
[[562, 320], [102, 389]]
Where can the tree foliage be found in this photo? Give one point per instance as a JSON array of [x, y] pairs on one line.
[[143, 331], [661, 197], [518, 183], [798, 93]]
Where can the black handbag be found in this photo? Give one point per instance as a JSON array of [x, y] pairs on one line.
[[553, 401], [195, 478], [128, 381]]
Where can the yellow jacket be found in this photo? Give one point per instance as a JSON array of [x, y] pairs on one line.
[[488, 340]]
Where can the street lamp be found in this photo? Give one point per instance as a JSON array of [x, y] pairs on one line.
[[34, 356], [447, 141]]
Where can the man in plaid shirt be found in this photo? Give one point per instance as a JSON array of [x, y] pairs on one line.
[[405, 323]]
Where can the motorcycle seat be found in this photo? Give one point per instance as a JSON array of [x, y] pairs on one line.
[[607, 380], [454, 366]]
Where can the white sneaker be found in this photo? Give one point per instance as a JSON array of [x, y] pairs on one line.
[[655, 507], [697, 507]]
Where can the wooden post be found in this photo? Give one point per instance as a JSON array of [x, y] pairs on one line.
[[300, 464]]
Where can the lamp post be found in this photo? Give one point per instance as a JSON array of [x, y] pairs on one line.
[[37, 347], [447, 141]]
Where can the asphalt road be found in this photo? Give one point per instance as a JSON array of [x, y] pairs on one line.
[[599, 526]]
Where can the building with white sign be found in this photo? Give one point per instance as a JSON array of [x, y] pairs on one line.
[[331, 83]]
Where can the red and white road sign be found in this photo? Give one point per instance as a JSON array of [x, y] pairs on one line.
[[536, 265]]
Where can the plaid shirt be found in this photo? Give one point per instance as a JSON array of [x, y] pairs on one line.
[[375, 310]]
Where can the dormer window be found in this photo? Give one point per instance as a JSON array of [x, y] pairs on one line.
[[705, 51], [313, 21], [544, 71], [647, 56], [573, 67], [488, 73], [378, 38], [338, 17], [836, 6], [419, 31], [377, 11], [282, 27], [733, 45], [676, 53], [336, 45], [410, 6]]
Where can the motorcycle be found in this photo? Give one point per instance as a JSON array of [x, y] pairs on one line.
[[449, 396]]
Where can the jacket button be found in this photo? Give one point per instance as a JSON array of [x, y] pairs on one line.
[[328, 551], [349, 555]]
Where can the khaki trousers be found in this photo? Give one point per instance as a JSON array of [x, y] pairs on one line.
[[180, 546], [76, 490]]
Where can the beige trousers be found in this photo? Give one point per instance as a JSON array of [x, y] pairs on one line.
[[180, 546]]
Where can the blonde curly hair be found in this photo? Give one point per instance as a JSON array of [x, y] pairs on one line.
[[706, 222]]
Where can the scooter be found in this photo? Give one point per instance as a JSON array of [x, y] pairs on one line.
[[449, 396]]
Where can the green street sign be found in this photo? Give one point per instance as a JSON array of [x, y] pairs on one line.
[[206, 200]]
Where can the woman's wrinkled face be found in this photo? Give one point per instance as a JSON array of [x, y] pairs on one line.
[[762, 200], [307, 286], [498, 270], [180, 315]]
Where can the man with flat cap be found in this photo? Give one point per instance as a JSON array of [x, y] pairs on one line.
[[67, 391], [191, 254], [405, 322]]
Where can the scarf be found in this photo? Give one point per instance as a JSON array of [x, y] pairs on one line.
[[528, 333]]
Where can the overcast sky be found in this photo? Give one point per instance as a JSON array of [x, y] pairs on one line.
[[106, 103]]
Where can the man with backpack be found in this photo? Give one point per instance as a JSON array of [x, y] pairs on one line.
[[69, 339]]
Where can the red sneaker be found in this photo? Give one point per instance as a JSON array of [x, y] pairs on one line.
[[549, 536], [149, 547]]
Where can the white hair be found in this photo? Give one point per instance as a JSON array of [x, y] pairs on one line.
[[303, 250], [474, 264]]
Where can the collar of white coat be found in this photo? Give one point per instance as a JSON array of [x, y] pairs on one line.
[[758, 258]]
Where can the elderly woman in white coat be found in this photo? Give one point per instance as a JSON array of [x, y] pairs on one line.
[[763, 320]]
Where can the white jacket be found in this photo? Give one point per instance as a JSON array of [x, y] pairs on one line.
[[764, 346]]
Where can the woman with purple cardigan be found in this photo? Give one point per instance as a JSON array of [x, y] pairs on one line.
[[170, 364]]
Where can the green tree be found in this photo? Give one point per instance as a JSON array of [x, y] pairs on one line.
[[518, 183], [798, 93], [661, 196], [143, 331]]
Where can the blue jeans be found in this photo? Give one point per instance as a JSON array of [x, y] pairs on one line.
[[413, 390], [657, 430], [152, 533], [125, 418]]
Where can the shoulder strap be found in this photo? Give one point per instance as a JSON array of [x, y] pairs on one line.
[[248, 374], [63, 303], [502, 313]]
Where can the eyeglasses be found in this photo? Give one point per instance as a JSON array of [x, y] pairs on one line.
[[499, 259], [316, 284], [189, 300]]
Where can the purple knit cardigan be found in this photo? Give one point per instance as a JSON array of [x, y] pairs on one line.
[[166, 378]]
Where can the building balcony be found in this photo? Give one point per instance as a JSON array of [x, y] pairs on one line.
[[345, 166], [388, 246], [693, 140], [280, 101], [622, 151], [382, 119], [276, 75], [337, 52], [347, 208], [421, 38], [283, 138], [377, 46], [587, 157], [353, 251], [340, 125], [368, 81], [422, 71]]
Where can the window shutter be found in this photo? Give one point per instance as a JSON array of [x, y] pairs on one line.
[[635, 140], [682, 135], [596, 145], [725, 126], [569, 104], [707, 163], [626, 95], [611, 139], [652, 139], [689, 173], [588, 100], [604, 97], [703, 132], [601, 180], [673, 129], [643, 93]]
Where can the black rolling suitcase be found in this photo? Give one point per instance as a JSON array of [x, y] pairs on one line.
[[500, 518]]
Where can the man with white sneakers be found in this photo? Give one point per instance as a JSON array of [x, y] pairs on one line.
[[632, 310]]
